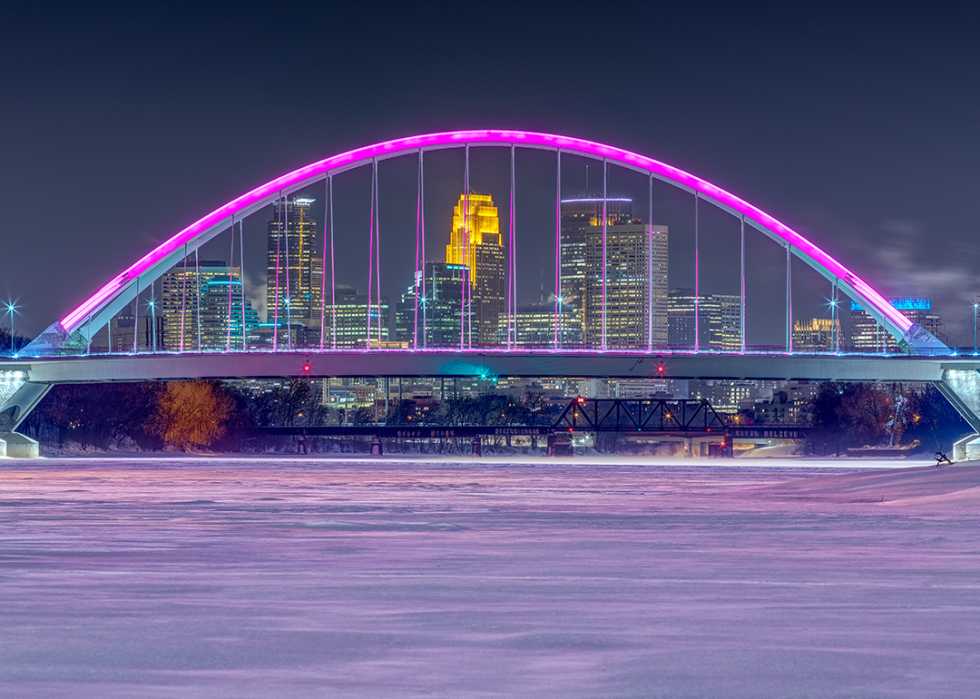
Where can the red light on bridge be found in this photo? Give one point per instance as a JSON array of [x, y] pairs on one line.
[[580, 399]]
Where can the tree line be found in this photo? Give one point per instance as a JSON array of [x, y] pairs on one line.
[[215, 415], [852, 414], [19, 341]]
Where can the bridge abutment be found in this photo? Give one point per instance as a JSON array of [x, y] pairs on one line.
[[961, 387], [16, 403], [18, 446]]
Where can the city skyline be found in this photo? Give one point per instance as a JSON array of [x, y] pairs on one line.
[[828, 154], [202, 303]]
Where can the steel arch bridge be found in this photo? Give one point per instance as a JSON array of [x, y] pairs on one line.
[[73, 334], [78, 327]]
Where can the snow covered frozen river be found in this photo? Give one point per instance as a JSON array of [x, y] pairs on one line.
[[279, 577]]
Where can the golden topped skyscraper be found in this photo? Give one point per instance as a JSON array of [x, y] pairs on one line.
[[476, 243]]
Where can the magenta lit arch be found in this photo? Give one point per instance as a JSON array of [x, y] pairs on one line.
[[97, 309]]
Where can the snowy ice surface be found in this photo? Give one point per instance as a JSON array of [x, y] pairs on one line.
[[217, 577]]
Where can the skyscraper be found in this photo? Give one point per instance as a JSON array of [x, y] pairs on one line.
[[724, 322], [719, 321], [294, 269], [438, 309], [533, 325], [476, 243], [633, 280], [195, 307], [868, 336], [352, 319], [681, 327], [578, 217], [816, 335], [224, 322]]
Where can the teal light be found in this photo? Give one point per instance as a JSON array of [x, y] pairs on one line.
[[907, 304]]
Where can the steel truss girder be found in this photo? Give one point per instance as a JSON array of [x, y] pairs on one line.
[[639, 415]]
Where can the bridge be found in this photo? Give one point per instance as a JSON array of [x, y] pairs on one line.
[[606, 317]]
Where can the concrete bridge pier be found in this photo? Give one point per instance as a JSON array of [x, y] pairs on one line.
[[961, 387], [15, 405], [18, 446]]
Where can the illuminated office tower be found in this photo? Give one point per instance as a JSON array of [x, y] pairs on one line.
[[578, 217], [816, 335], [476, 243], [534, 326], [681, 326], [352, 319], [439, 309], [724, 322], [225, 323], [294, 264], [719, 324], [635, 291], [868, 336], [197, 297]]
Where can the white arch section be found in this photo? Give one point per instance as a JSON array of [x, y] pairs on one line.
[[94, 312]]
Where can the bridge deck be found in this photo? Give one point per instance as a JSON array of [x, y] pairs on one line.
[[468, 364]]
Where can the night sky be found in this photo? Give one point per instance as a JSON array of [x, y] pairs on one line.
[[853, 123]]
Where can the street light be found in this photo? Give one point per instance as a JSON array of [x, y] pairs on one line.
[[833, 324], [975, 304], [560, 300], [153, 321], [10, 312]]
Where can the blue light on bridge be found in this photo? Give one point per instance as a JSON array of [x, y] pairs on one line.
[[909, 304]]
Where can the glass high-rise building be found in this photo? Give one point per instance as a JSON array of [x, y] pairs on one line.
[[534, 325], [578, 217], [195, 307], [475, 242], [719, 321], [224, 325], [351, 311], [868, 336], [635, 271], [294, 265], [439, 309]]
